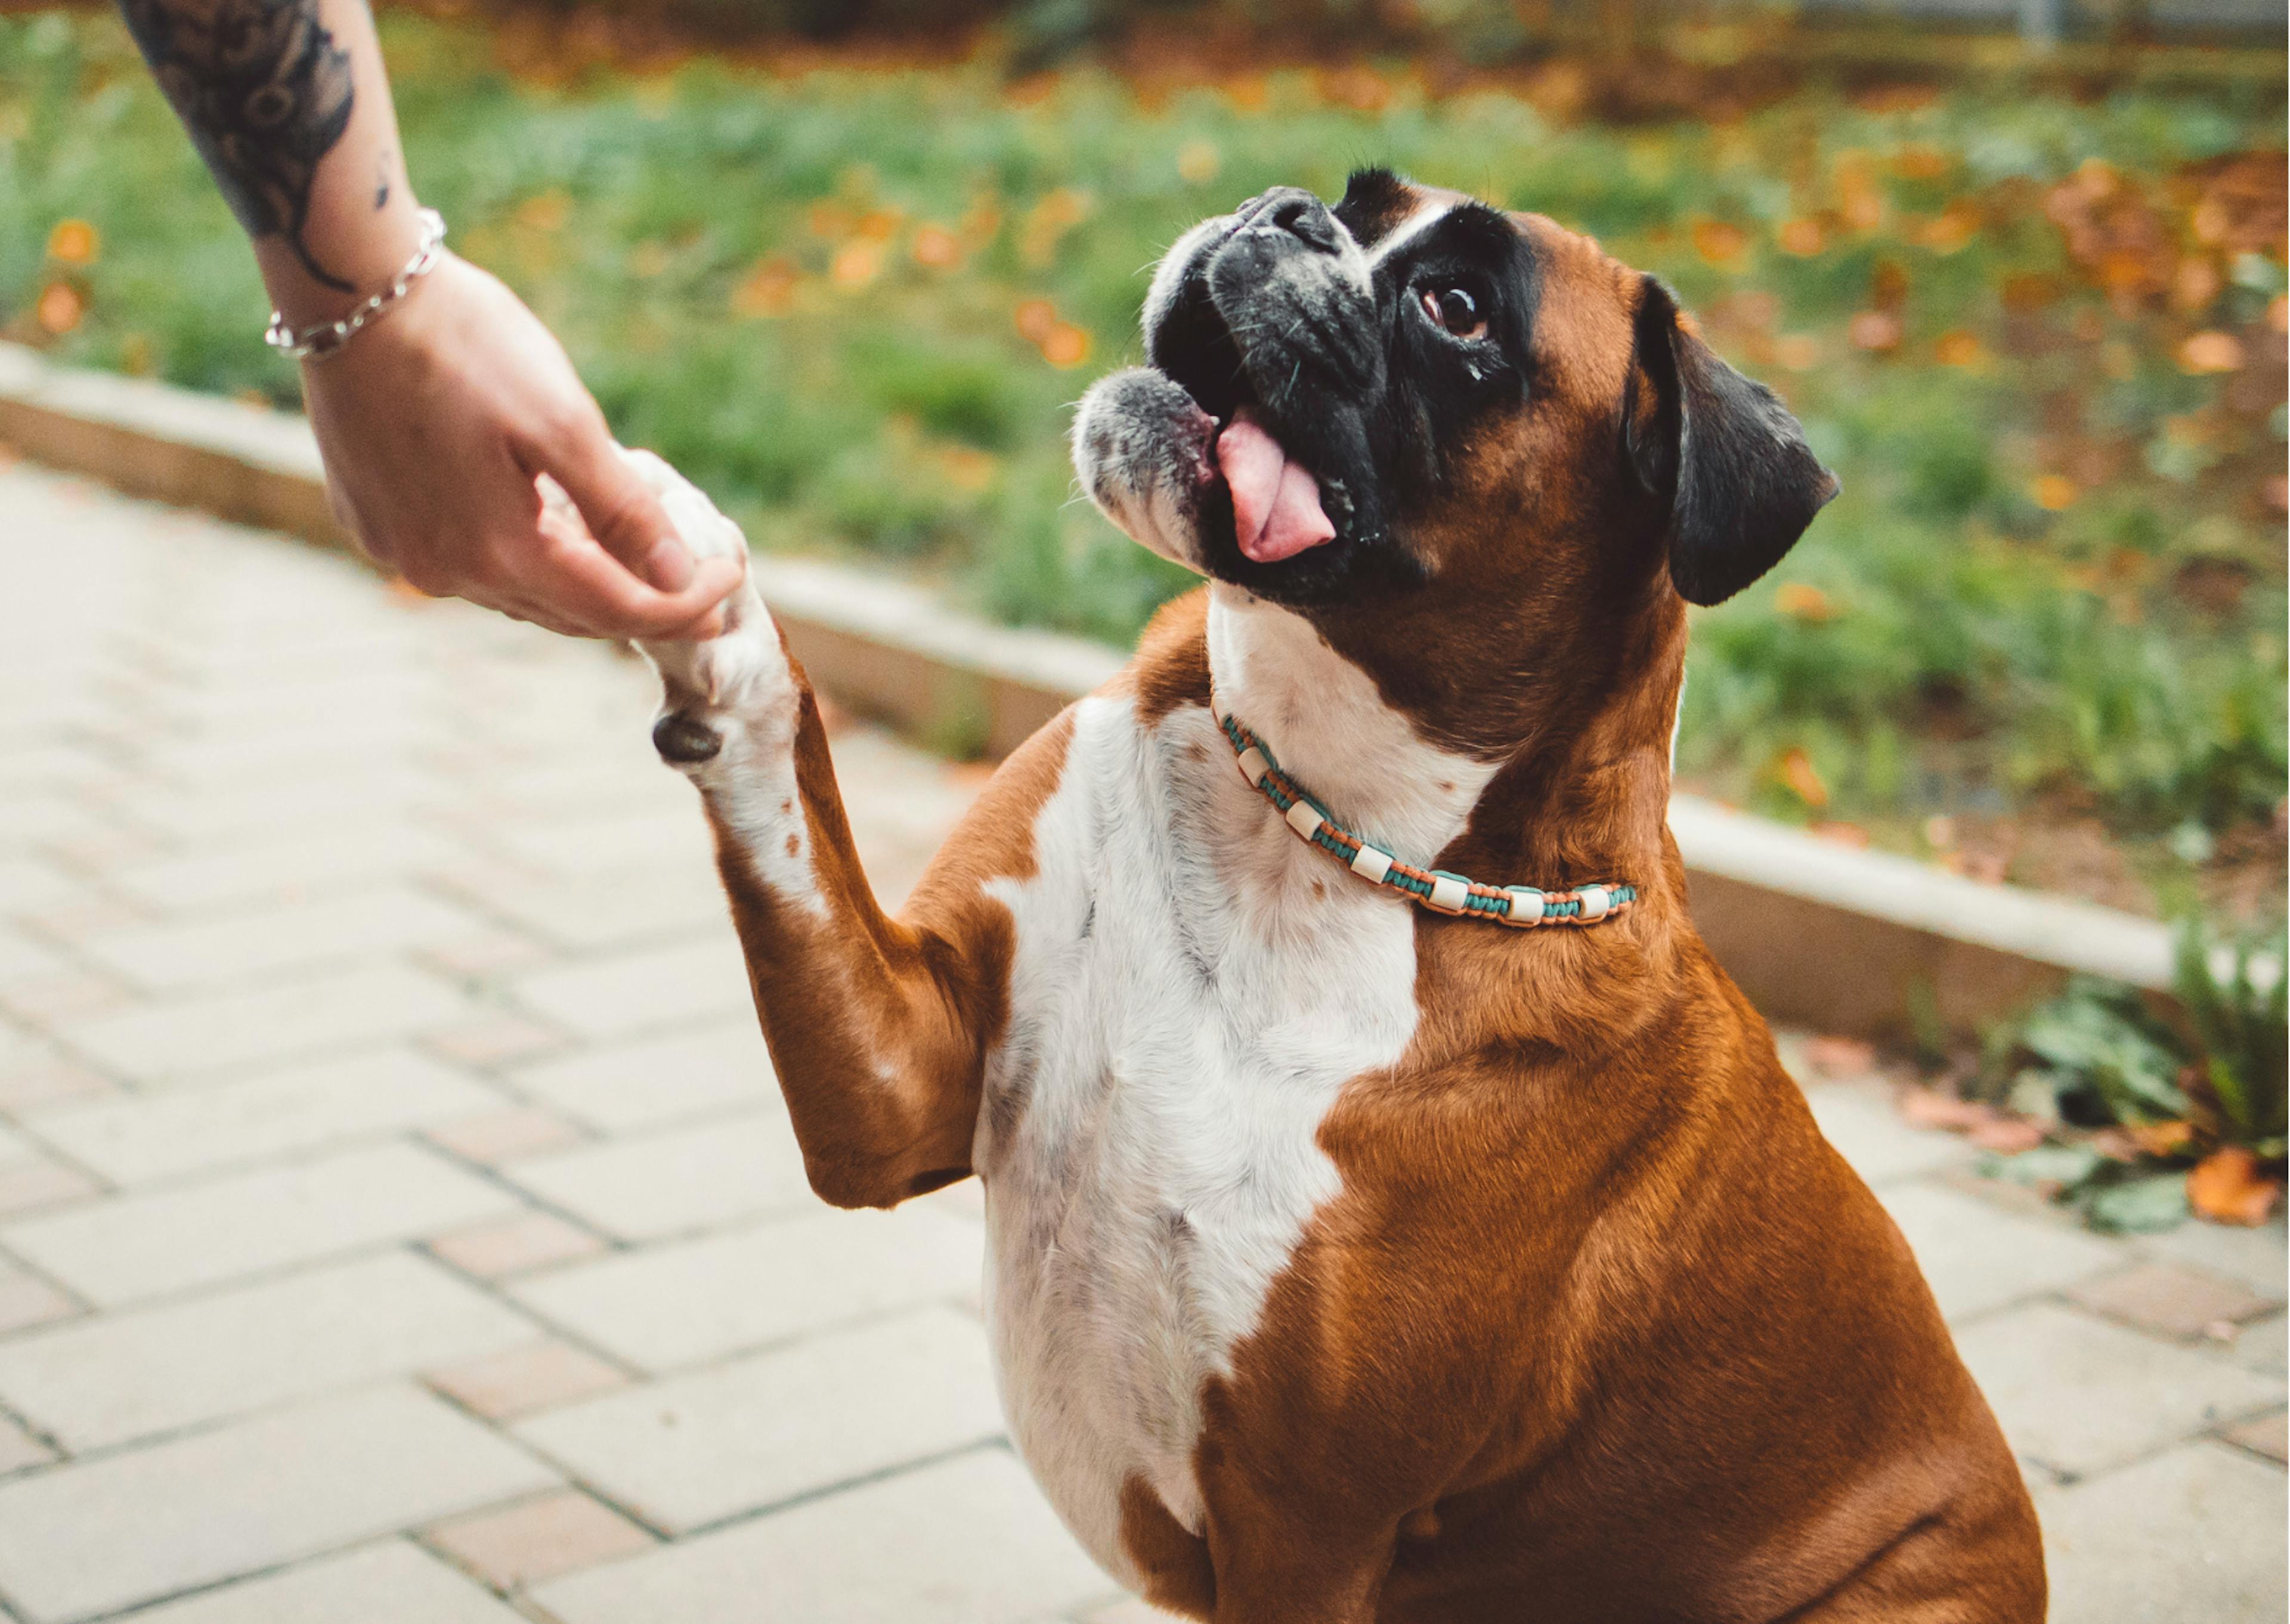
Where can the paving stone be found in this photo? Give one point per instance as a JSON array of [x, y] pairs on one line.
[[673, 1182], [32, 1077], [342, 858], [558, 1533], [524, 1380], [21, 958], [2261, 1346], [645, 989], [2267, 1435], [493, 1040], [2079, 1394], [702, 1447], [158, 1369], [178, 1239], [975, 1543], [484, 955], [611, 912], [1978, 1257], [200, 817], [99, 1535], [1130, 1611], [642, 1084], [504, 1133], [1870, 1134], [2253, 1256], [19, 1449], [249, 944], [515, 1245], [599, 843], [393, 1583], [275, 1022], [684, 1302], [2192, 1534], [27, 1301], [32, 1184], [45, 1002], [29, 884], [2167, 1299], [312, 1106]]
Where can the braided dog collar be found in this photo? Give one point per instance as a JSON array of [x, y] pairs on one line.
[[1518, 906]]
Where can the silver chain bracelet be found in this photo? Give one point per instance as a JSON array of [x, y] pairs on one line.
[[328, 337]]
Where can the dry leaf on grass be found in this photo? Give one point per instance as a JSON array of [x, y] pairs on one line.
[[2007, 1135], [1839, 1057], [1929, 1107], [2228, 1186]]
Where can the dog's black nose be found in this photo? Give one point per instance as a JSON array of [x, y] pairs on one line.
[[685, 741], [1295, 211]]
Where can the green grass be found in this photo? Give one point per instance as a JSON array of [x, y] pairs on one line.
[[2054, 583]]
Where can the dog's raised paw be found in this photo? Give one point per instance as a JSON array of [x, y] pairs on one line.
[[730, 679]]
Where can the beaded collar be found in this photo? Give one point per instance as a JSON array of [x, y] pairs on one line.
[[1517, 906]]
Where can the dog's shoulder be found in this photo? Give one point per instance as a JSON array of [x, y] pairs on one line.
[[1172, 664]]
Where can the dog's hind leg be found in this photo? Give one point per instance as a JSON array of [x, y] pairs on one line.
[[878, 1027]]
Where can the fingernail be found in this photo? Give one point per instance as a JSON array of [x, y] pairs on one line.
[[668, 567]]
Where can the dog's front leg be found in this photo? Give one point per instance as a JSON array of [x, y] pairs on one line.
[[873, 1025]]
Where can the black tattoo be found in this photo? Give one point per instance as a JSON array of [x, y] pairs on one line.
[[265, 94], [381, 180]]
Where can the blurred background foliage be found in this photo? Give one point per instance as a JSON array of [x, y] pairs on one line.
[[2036, 323]]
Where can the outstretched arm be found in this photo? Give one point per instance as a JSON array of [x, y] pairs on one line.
[[435, 420]]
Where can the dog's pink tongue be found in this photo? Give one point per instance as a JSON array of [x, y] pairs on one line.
[[1276, 503]]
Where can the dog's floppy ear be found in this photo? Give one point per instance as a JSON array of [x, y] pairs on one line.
[[1732, 464]]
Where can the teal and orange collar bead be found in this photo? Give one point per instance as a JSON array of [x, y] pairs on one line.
[[1517, 906]]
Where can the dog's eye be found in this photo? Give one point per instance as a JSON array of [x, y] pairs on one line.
[[1454, 309]]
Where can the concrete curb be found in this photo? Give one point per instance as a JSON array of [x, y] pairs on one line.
[[1816, 933]]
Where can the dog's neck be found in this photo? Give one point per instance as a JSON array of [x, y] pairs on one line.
[[1594, 800], [1331, 730]]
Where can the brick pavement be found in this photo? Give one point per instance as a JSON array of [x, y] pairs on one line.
[[398, 1224]]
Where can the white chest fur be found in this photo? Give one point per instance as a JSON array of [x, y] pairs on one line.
[[1191, 988]]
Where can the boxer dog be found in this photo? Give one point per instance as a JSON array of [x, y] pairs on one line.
[[1393, 1213]]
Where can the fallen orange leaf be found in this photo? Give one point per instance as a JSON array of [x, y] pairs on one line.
[[1877, 331], [2007, 1135], [936, 247], [1838, 1056], [769, 291], [1066, 345], [1801, 602], [1929, 1107], [1034, 319], [1800, 236], [1957, 349], [60, 307], [73, 242], [1198, 161], [2210, 352], [2161, 1138], [2228, 1186], [1797, 772], [1718, 241], [2053, 492]]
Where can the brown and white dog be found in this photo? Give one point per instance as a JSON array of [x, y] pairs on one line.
[[1347, 1261]]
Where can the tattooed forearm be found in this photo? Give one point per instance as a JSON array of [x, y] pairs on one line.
[[265, 93]]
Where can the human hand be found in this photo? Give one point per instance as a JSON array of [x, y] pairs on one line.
[[435, 423]]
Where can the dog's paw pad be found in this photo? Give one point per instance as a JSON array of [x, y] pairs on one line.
[[685, 740]]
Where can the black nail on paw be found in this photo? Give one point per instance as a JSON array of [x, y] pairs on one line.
[[685, 741]]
